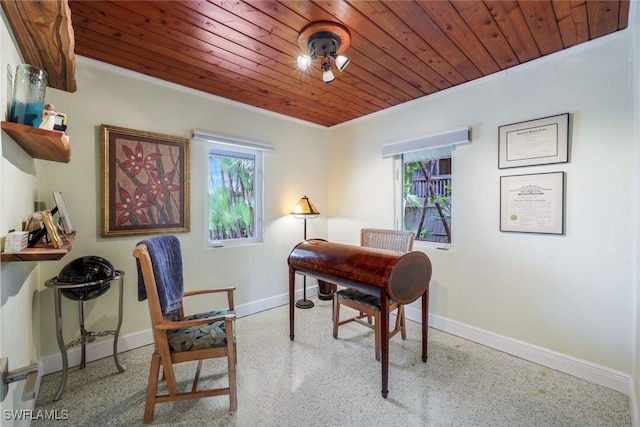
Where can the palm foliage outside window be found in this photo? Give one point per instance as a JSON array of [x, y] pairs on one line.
[[234, 195]]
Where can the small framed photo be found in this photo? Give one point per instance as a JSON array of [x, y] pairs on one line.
[[145, 182], [532, 203], [52, 229], [62, 211], [534, 142]]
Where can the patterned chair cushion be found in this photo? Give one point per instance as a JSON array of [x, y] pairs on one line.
[[199, 337], [360, 297]]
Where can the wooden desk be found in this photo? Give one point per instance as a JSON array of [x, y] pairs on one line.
[[403, 277]]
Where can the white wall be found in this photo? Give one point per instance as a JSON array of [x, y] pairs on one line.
[[114, 97], [636, 253], [570, 294], [18, 281]]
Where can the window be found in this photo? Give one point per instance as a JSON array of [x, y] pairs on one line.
[[427, 197], [234, 190], [425, 172], [234, 211]]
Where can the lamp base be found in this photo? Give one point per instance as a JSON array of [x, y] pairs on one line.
[[325, 290], [304, 303]]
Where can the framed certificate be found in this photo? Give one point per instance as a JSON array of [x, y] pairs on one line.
[[534, 142], [532, 203]]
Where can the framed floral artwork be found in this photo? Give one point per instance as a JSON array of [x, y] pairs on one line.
[[145, 182]]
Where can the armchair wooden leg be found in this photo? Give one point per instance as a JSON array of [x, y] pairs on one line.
[[233, 391], [154, 372], [231, 363]]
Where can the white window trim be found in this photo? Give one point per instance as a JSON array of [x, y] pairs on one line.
[[429, 142], [213, 140], [230, 140]]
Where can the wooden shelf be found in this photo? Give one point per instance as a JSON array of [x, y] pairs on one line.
[[40, 252], [40, 143]]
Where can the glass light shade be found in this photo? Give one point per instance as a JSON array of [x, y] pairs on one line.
[[304, 207], [304, 61], [341, 62], [327, 76]]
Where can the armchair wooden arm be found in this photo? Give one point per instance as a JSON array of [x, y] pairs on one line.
[[229, 290]]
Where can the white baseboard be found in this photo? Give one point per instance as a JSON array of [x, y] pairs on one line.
[[578, 368], [597, 374], [96, 350]]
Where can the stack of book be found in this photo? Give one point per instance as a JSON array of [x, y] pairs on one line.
[[16, 241]]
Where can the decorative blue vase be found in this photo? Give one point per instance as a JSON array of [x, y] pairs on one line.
[[28, 95]]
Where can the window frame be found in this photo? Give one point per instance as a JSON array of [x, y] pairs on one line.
[[242, 147], [435, 146], [399, 162]]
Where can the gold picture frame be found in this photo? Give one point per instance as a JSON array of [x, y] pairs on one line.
[[145, 182], [52, 229]]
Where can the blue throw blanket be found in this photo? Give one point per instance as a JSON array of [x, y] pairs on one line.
[[166, 258]]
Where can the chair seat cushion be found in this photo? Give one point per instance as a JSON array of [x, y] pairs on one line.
[[199, 337], [360, 297]]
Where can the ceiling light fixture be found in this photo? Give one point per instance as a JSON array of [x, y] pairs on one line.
[[327, 41]]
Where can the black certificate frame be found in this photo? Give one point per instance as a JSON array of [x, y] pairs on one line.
[[534, 142]]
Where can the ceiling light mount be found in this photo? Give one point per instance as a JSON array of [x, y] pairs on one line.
[[327, 41]]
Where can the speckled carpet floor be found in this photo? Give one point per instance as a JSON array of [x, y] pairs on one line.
[[317, 380]]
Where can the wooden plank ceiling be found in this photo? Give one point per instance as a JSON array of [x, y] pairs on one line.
[[400, 50]]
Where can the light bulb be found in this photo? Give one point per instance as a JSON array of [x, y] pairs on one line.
[[303, 62]]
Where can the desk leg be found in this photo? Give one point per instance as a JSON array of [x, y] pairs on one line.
[[425, 324], [63, 349], [384, 330], [119, 365], [292, 291]]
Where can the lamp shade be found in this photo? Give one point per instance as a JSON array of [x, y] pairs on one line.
[[341, 62], [304, 207], [327, 76]]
